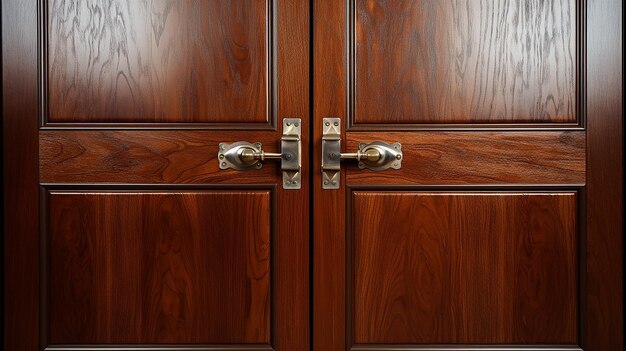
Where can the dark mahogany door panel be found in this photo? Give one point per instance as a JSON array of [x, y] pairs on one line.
[[159, 267], [468, 268], [498, 227], [124, 233], [448, 61], [158, 61]]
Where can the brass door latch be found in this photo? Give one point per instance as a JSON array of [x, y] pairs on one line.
[[375, 156], [243, 155]]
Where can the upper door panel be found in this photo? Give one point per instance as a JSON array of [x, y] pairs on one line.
[[158, 61], [464, 62]]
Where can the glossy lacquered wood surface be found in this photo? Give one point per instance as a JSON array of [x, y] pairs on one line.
[[20, 240], [605, 171], [329, 89], [146, 157], [291, 299], [469, 268], [157, 61], [166, 267], [465, 61], [478, 158], [238, 64]]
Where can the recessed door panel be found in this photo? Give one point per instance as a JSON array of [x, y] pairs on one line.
[[464, 62], [158, 61], [159, 267], [464, 268]]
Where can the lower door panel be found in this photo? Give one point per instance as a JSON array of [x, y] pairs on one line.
[[158, 267], [497, 268]]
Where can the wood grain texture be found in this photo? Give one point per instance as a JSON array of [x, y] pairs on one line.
[[159, 267], [465, 61], [478, 158], [469, 268], [158, 61], [146, 157], [292, 261], [329, 250], [498, 347], [20, 222], [194, 347], [604, 322]]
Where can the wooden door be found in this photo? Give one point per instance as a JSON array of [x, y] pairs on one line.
[[122, 231], [502, 228]]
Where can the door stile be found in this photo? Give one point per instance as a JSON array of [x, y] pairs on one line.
[[291, 300], [20, 171], [604, 320], [329, 223]]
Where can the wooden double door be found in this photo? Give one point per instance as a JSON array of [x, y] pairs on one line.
[[495, 224]]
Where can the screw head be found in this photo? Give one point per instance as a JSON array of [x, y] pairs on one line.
[[336, 124], [222, 146], [327, 124], [325, 182], [288, 181], [288, 156], [296, 124], [334, 182], [398, 157], [223, 164], [361, 146], [258, 165], [295, 182], [288, 124], [221, 157], [361, 165]]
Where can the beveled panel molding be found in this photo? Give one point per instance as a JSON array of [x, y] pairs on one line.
[[92, 234], [492, 267], [448, 77], [158, 64]]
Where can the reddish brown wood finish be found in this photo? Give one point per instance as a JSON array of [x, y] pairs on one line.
[[291, 299], [604, 319], [329, 83], [465, 62], [478, 158], [479, 268], [167, 267], [158, 61], [170, 79], [532, 71], [20, 189], [145, 157]]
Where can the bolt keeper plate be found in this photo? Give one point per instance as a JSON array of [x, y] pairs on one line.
[[291, 148], [331, 153]]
